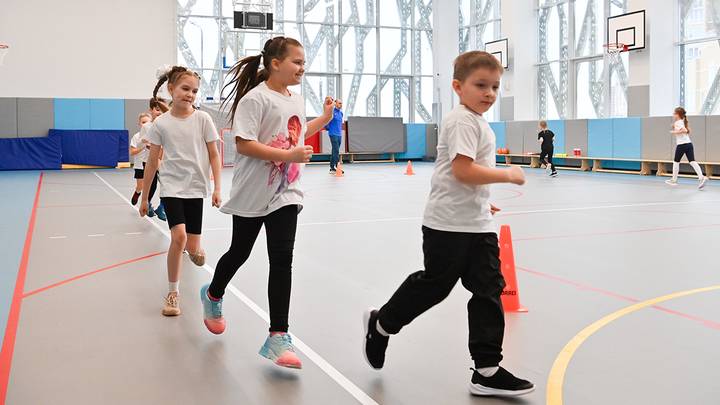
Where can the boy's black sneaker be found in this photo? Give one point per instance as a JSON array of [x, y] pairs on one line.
[[135, 197], [501, 384], [374, 344]]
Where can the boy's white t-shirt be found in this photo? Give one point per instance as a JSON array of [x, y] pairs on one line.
[[186, 163], [261, 187], [454, 206], [684, 138], [140, 158]]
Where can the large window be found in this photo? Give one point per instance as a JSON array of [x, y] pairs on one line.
[[575, 77], [378, 61], [700, 56], [479, 22]]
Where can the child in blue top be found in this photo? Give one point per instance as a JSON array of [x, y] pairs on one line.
[[334, 128]]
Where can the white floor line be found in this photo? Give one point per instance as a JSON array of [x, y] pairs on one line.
[[311, 354], [95, 235], [57, 237], [133, 233], [599, 207]]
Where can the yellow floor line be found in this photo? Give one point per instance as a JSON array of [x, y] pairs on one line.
[[557, 373]]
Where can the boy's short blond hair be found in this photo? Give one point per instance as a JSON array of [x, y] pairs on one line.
[[468, 62], [543, 124]]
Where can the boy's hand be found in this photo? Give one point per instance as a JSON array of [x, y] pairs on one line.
[[494, 210], [516, 175], [143, 208]]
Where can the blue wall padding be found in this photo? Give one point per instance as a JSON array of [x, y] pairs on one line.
[[107, 114], [600, 138], [627, 142], [31, 153], [415, 140], [72, 113], [93, 147], [123, 142], [499, 129], [558, 128]]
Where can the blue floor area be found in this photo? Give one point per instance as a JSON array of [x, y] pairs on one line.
[[19, 190]]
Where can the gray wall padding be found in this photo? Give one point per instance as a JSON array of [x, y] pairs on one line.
[[507, 108], [8, 118], [219, 117], [35, 117], [530, 137], [657, 141], [376, 134], [431, 140], [133, 108], [514, 136], [638, 101], [698, 135], [576, 136], [712, 153]]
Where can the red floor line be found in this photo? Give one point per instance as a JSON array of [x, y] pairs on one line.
[[90, 273], [8, 345], [704, 322], [630, 231]]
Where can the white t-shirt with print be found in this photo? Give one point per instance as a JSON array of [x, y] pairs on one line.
[[186, 163], [261, 187], [140, 158], [684, 138], [454, 206]]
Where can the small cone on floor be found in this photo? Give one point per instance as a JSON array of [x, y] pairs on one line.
[[511, 295], [339, 172], [409, 170]]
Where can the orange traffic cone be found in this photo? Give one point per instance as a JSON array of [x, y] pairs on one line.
[[510, 295], [409, 170], [339, 172]]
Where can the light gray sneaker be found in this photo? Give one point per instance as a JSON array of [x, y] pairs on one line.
[[703, 182]]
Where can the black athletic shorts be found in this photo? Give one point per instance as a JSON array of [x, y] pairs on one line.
[[188, 211], [139, 173], [686, 149]]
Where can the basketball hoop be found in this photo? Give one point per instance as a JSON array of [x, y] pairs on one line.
[[4, 49], [614, 49]]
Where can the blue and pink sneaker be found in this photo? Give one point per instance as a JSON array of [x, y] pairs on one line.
[[278, 347]]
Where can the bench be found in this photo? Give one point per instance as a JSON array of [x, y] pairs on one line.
[[588, 163]]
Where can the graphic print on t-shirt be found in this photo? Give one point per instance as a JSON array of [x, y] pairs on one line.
[[289, 172]]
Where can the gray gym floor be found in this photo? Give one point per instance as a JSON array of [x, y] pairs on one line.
[[586, 245]]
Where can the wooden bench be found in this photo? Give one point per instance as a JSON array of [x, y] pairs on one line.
[[588, 163]]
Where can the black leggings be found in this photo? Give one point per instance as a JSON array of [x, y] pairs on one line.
[[280, 227], [153, 186], [686, 149], [546, 154]]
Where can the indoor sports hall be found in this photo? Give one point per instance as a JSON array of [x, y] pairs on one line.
[[527, 188]]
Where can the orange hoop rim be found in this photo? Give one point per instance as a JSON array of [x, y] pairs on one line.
[[616, 47]]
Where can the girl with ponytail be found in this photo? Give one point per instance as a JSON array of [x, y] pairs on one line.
[[681, 132], [269, 126]]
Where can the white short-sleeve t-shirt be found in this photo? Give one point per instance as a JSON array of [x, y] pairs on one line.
[[277, 120], [684, 138], [454, 206], [140, 158], [186, 163]]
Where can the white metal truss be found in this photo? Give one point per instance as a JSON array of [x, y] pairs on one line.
[[586, 44], [328, 38]]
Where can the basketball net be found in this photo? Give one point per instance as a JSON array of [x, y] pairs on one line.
[[4, 49], [612, 53]]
